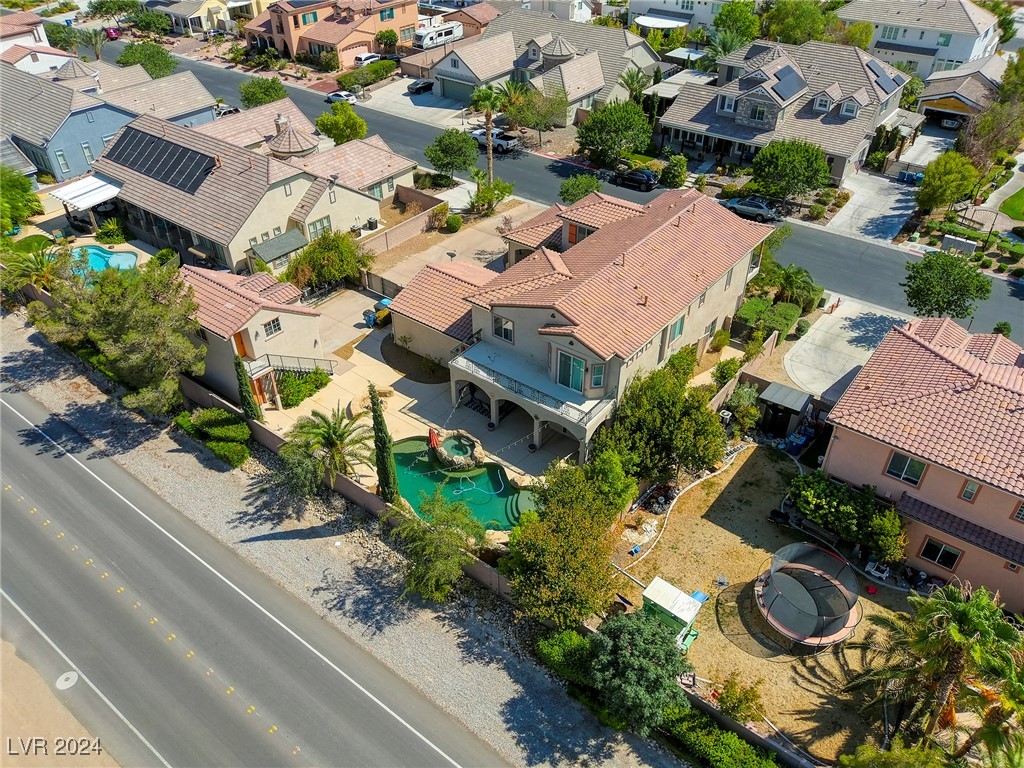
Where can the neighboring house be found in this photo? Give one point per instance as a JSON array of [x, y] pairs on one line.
[[583, 59], [255, 128], [934, 422], [14, 158], [348, 27], [928, 35], [209, 199], [596, 292], [260, 320], [62, 124], [474, 18], [580, 11], [965, 91], [421, 63], [190, 17], [22, 28], [36, 60], [770, 91], [666, 15]]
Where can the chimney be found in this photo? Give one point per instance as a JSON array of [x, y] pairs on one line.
[[280, 123]]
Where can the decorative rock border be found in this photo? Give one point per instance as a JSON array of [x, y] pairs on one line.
[[475, 458]]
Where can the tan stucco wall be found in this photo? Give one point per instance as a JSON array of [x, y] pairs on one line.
[[271, 211], [426, 341], [220, 366], [349, 207], [299, 336]]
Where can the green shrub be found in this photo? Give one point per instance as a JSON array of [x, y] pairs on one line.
[[738, 701], [1010, 163], [438, 216], [886, 537], [234, 454], [568, 654], [986, 263], [296, 387], [165, 255], [753, 309], [110, 232], [701, 737], [1018, 272], [826, 196], [948, 228], [719, 340], [855, 516], [816, 211], [453, 223], [368, 75], [950, 217], [1018, 231], [779, 317], [329, 61], [813, 299], [700, 183], [1000, 267], [217, 424], [183, 421], [876, 160], [730, 191], [802, 327], [725, 370], [675, 172]]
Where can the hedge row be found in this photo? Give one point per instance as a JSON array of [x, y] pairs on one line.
[[752, 309], [296, 387], [702, 737], [368, 75], [223, 433]]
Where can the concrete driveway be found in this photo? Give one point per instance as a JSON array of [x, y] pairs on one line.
[[932, 142], [878, 209], [837, 345], [427, 108]]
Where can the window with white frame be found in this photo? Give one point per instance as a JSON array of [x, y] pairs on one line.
[[890, 33], [391, 184], [277, 231], [265, 236], [904, 468], [89, 116], [272, 327], [287, 190], [62, 160], [728, 278], [686, 5], [850, 109], [570, 371], [387, 14], [702, 299], [597, 376], [823, 104], [504, 329], [716, 8], [87, 151], [453, 63], [941, 554], [945, 38], [106, 139], [253, 241], [319, 227], [1010, 566], [726, 103], [711, 327], [970, 491], [332, 196], [758, 113]]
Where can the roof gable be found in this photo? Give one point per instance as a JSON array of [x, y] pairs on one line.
[[960, 16]]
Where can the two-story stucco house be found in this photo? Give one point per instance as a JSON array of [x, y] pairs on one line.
[[580, 11], [260, 320], [23, 44], [667, 15], [596, 292], [935, 422], [192, 17], [928, 35], [348, 27], [831, 95], [63, 120]]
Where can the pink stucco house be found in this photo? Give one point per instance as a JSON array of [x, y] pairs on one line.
[[935, 421]]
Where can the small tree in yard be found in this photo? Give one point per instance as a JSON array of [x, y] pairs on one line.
[[341, 124], [111, 10], [488, 194], [897, 756], [261, 90], [383, 454], [154, 59], [608, 478], [437, 543], [578, 186], [387, 39], [739, 17], [787, 169], [538, 110], [634, 668], [1003, 328], [945, 285], [452, 151], [947, 179], [614, 130], [488, 100], [250, 407], [63, 37], [331, 258], [150, 22], [794, 21], [93, 39], [675, 173], [18, 201], [322, 446]]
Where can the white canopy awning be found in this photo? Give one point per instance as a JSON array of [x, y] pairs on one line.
[[659, 22], [85, 193]]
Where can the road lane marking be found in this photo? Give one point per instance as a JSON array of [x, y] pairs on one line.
[[238, 590], [82, 676]]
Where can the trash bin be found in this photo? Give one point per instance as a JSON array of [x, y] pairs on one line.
[[371, 223], [369, 317], [902, 177]]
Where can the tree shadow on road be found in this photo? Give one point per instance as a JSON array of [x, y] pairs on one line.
[[112, 431], [867, 329]]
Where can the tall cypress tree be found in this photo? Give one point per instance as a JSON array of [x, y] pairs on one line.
[[250, 407], [387, 475]]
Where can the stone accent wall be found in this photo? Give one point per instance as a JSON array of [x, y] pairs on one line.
[[743, 106]]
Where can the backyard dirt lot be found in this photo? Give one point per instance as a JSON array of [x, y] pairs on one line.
[[720, 528]]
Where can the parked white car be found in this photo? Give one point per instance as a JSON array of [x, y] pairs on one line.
[[502, 142], [342, 96]]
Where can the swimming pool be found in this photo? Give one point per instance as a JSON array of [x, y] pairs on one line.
[[485, 489], [101, 258]]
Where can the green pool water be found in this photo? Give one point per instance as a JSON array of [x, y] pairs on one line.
[[486, 489]]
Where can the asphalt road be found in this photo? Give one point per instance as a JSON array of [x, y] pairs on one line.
[[854, 267], [186, 656]]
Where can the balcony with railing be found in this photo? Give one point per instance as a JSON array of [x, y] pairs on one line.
[[266, 363], [523, 381]]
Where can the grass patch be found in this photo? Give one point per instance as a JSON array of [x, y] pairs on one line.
[[1013, 206], [32, 243]]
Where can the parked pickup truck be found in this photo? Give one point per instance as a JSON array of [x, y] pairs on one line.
[[503, 142]]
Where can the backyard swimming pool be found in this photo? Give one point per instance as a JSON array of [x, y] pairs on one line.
[[101, 258], [485, 489]]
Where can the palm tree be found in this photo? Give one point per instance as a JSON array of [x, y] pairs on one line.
[[998, 699], [723, 42], [487, 100], [41, 268], [513, 95], [635, 80], [94, 39], [328, 445], [795, 284]]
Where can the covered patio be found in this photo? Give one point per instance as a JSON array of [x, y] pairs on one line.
[[92, 195]]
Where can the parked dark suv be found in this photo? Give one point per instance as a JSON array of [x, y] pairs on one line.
[[640, 178]]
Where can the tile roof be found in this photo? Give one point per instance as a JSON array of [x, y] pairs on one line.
[[578, 77], [1002, 546], [624, 283], [481, 13], [304, 207], [541, 229], [934, 391], [261, 24], [74, 69], [914, 50], [991, 68], [615, 46], [254, 127], [228, 301], [358, 164], [12, 157], [437, 295], [167, 97], [975, 90], [280, 245], [19, 23], [292, 142], [597, 209], [944, 15], [334, 29], [224, 199], [18, 52], [43, 105], [490, 58]]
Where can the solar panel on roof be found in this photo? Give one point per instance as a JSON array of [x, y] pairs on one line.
[[875, 67], [883, 80], [161, 160], [789, 86], [785, 72]]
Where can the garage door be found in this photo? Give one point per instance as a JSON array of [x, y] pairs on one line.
[[453, 89]]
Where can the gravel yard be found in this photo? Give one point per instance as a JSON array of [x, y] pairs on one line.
[[469, 657]]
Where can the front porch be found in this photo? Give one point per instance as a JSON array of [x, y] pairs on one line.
[[710, 149]]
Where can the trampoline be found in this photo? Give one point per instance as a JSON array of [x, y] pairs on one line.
[[809, 595]]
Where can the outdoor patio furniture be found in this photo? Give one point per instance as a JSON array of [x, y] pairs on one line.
[[634, 551], [878, 570], [700, 597], [687, 641], [64, 233], [14, 230]]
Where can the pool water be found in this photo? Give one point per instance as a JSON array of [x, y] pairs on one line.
[[458, 446], [486, 489], [101, 258]]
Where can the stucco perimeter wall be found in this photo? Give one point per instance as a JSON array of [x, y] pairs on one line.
[[352, 491], [409, 228], [750, 369]]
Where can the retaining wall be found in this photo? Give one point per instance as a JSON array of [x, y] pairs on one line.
[[409, 228]]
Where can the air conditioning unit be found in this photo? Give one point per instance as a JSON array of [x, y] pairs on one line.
[[726, 416]]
